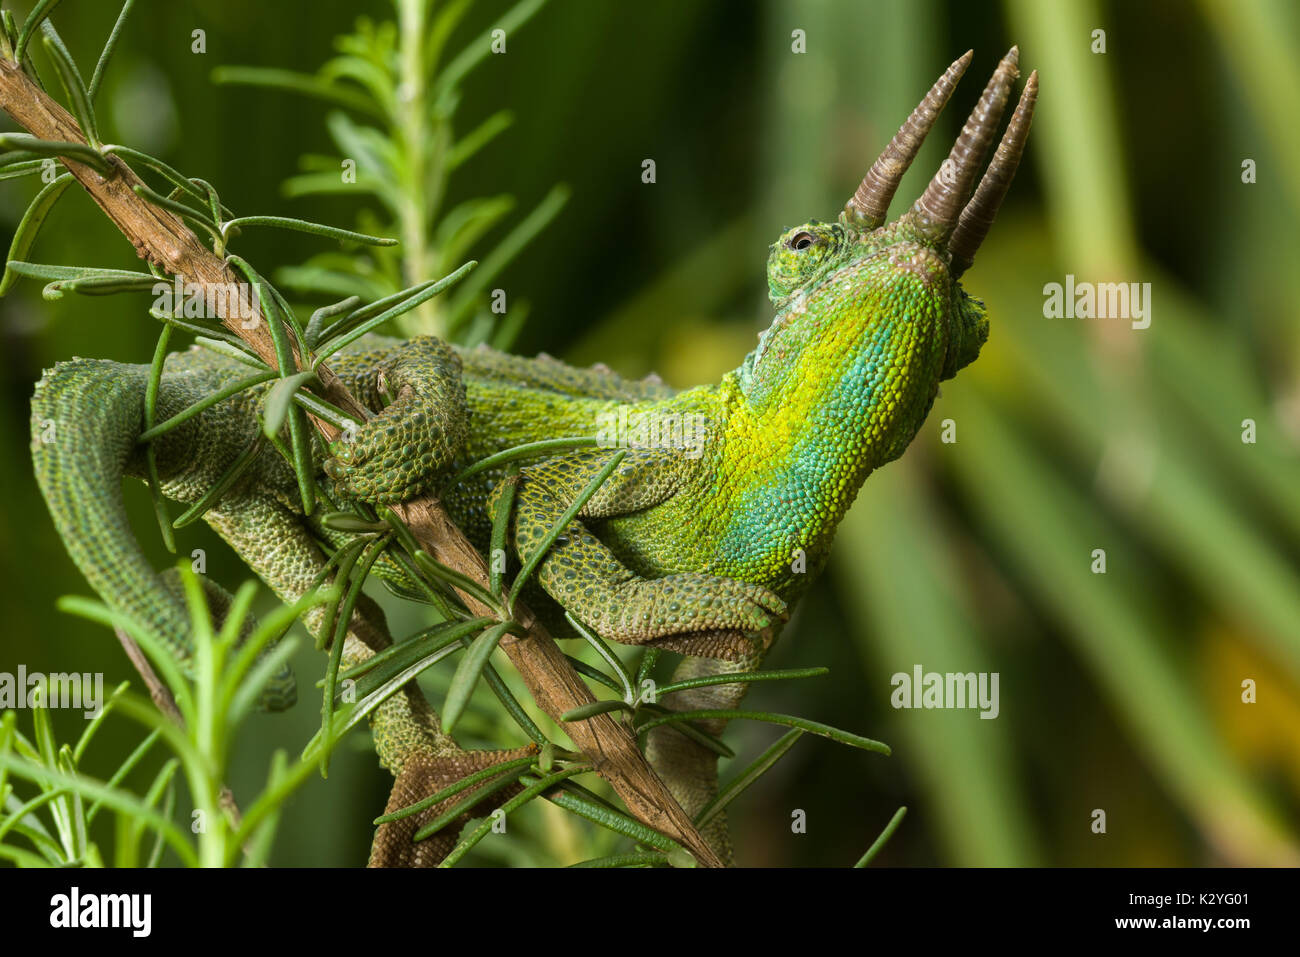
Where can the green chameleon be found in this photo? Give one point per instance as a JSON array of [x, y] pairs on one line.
[[714, 523]]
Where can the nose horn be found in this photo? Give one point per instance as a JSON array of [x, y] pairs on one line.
[[936, 213], [870, 204]]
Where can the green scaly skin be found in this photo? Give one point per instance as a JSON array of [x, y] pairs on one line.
[[697, 553]]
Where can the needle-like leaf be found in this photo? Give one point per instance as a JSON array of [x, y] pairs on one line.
[[468, 672], [30, 225]]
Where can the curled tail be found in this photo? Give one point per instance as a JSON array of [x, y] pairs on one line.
[[87, 415]]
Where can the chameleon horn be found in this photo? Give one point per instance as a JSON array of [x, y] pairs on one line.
[[936, 212], [870, 204], [977, 217]]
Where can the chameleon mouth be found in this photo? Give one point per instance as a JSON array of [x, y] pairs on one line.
[[942, 213]]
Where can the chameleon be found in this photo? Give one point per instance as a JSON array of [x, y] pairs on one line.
[[712, 526]]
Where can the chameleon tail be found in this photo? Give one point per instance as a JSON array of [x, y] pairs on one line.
[[86, 418]]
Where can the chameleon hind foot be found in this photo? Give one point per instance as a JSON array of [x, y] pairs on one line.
[[420, 428], [423, 775]]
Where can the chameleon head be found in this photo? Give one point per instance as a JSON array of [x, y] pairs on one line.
[[873, 308]]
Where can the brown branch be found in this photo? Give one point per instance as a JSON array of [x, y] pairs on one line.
[[166, 703], [163, 238]]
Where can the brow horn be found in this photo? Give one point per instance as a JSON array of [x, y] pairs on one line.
[[977, 217], [870, 204], [936, 212]]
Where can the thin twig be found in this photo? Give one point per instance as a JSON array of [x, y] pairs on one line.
[[166, 703]]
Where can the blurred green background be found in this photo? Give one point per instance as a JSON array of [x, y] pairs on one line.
[[1120, 691]]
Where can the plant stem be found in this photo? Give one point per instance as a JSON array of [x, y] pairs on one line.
[[411, 119]]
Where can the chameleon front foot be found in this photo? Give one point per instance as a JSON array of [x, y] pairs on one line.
[[692, 613]]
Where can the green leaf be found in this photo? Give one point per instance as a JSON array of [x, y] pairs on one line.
[[479, 137], [607, 653], [72, 82], [761, 765], [89, 733], [106, 55], [468, 672], [705, 740], [454, 578], [26, 143], [280, 399], [740, 678], [269, 306], [400, 656], [467, 803], [595, 674], [332, 184], [30, 226], [649, 658], [591, 709], [50, 271], [533, 790], [431, 289], [221, 395], [444, 22], [102, 286], [125, 768], [462, 306], [303, 226], [620, 824], [317, 320], [42, 10], [222, 485], [365, 73], [255, 681], [151, 465], [466, 223], [319, 281], [481, 46], [352, 524], [167, 172], [371, 149], [884, 837], [518, 452], [118, 800], [790, 721], [14, 170], [341, 621], [292, 82], [258, 855], [180, 209], [159, 656]]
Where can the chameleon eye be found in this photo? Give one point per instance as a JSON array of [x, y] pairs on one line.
[[802, 241]]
